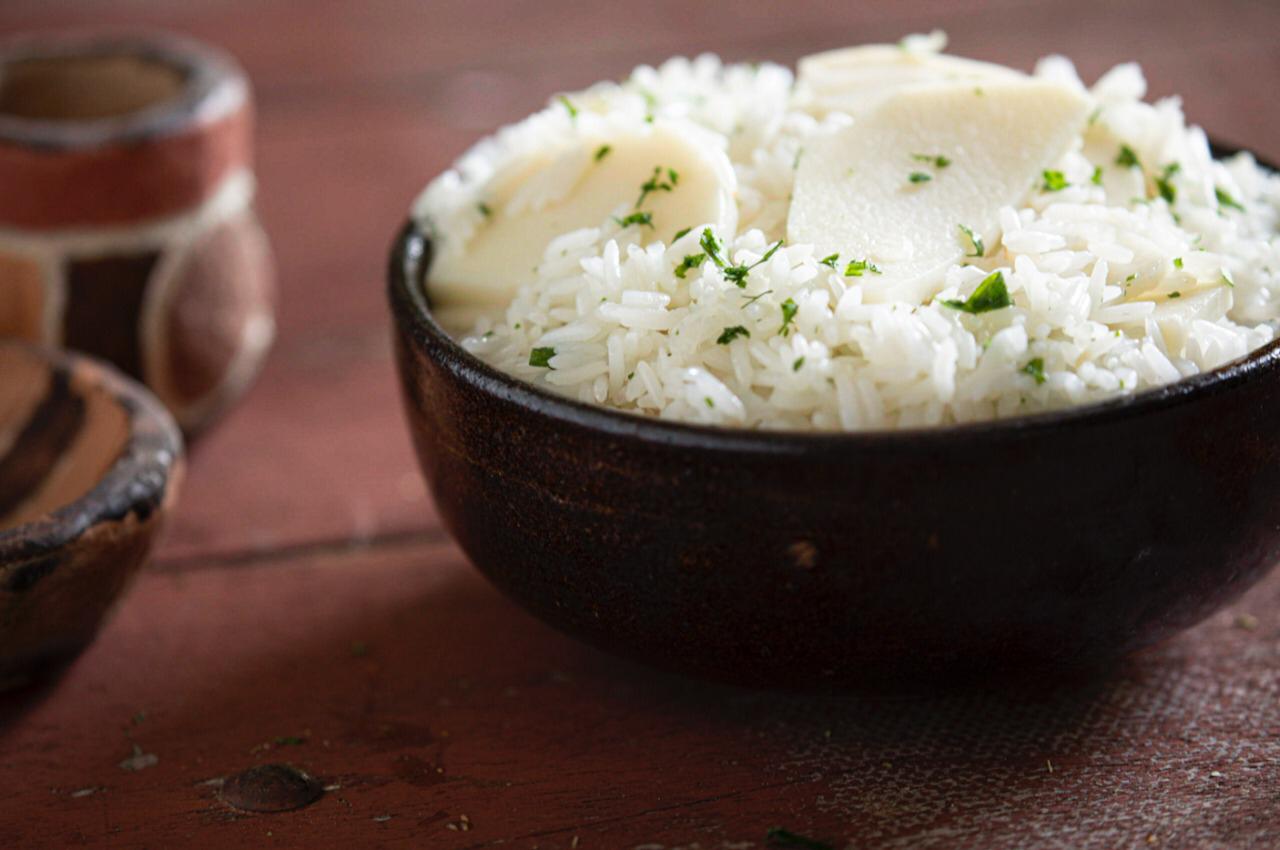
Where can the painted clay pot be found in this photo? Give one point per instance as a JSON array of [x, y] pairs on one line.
[[126, 222], [89, 466]]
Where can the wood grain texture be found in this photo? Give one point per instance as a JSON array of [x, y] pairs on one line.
[[304, 530], [397, 675]]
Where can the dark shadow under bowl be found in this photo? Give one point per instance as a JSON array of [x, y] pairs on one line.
[[854, 560], [89, 464]]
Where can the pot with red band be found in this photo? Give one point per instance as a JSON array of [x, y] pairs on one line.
[[127, 227]]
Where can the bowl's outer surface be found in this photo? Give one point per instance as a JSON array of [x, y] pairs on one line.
[[858, 559], [61, 573]]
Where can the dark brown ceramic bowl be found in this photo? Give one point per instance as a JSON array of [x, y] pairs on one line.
[[859, 559], [89, 464]]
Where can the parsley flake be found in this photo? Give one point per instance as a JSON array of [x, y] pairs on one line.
[[681, 234], [737, 275], [568, 105], [1166, 189], [830, 260], [690, 261], [991, 294], [1175, 294], [978, 248], [541, 357], [1096, 179], [602, 152], [728, 335], [856, 268], [789, 310], [1127, 158], [795, 367], [1225, 199], [643, 218], [711, 246], [1054, 181], [1177, 262], [485, 209], [1036, 370], [655, 183], [919, 177], [1228, 279], [937, 160]]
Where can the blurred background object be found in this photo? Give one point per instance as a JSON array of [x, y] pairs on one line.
[[128, 227], [91, 468]]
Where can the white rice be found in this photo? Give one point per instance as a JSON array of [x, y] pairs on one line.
[[1114, 291]]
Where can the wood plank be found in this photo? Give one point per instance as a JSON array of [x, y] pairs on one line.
[[453, 702], [318, 451]]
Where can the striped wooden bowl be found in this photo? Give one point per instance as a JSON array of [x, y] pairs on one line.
[[89, 466], [127, 228]]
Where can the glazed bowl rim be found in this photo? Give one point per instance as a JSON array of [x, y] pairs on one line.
[[410, 255], [137, 480]]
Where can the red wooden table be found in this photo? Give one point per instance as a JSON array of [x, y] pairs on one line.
[[307, 608]]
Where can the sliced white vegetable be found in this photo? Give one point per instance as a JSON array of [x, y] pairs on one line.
[[856, 79], [598, 174], [854, 195]]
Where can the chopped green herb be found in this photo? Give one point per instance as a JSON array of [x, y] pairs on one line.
[[1228, 279], [680, 234], [829, 260], [991, 294], [602, 152], [568, 104], [919, 177], [978, 248], [1127, 158], [1225, 199], [1177, 262], [1131, 277], [1175, 294], [753, 299], [1096, 179], [643, 218], [289, 741], [1166, 189], [541, 357], [1036, 370], [484, 209], [795, 367], [938, 160], [789, 310], [795, 163], [1054, 181], [785, 838], [737, 275], [711, 246], [857, 267], [708, 400], [1094, 116], [690, 261], [655, 183], [728, 335]]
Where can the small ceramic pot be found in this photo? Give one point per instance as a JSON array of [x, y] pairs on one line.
[[126, 222], [89, 465]]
